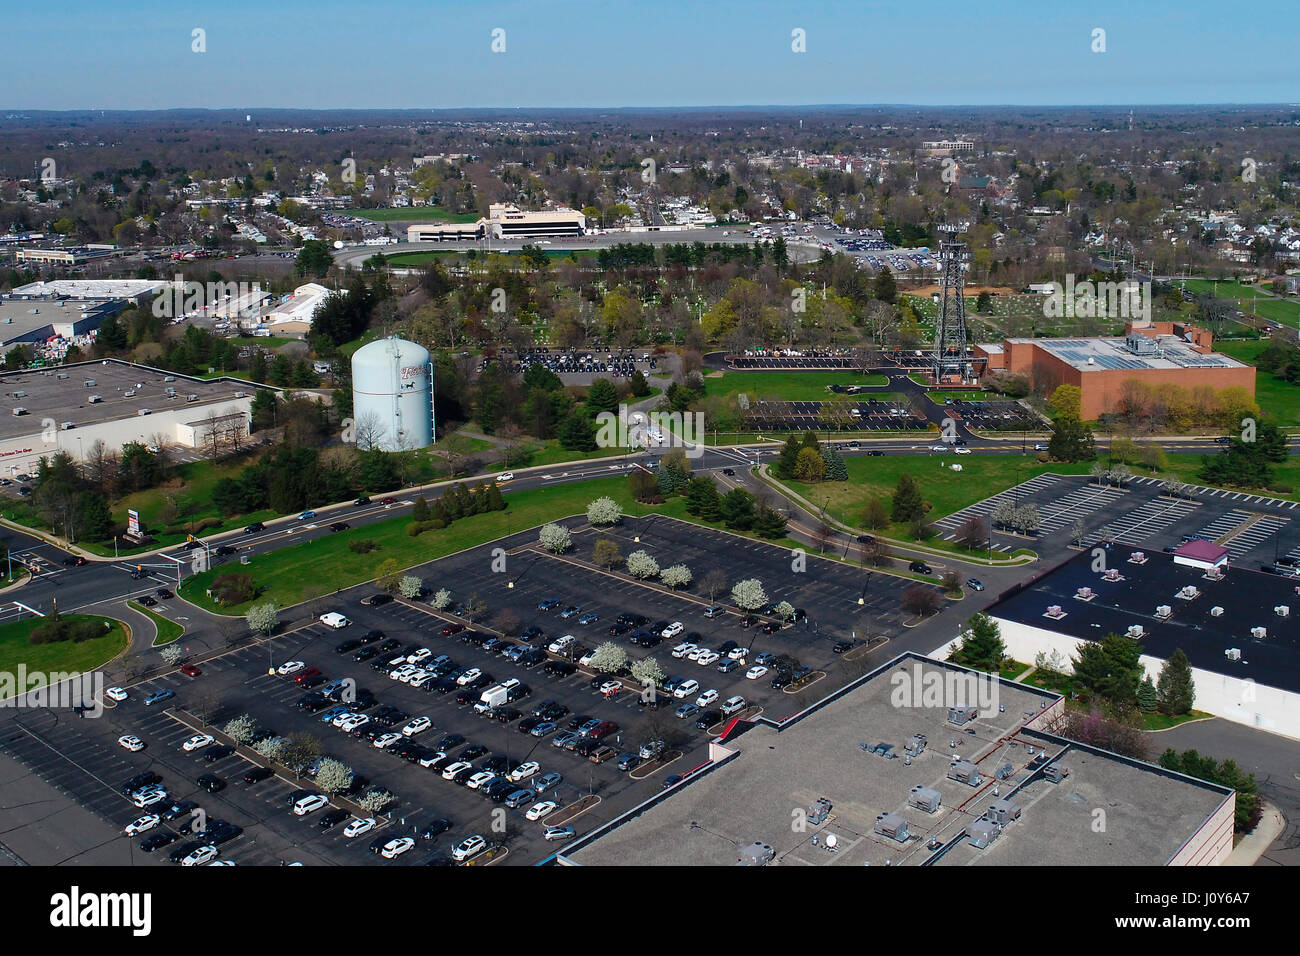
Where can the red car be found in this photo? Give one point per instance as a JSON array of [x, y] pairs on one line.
[[388, 501], [189, 670], [449, 629], [305, 674]]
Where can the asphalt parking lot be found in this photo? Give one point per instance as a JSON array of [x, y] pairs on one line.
[[873, 415]]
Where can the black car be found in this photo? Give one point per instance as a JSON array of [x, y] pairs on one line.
[[347, 646], [498, 790], [140, 780], [434, 827], [313, 702], [371, 636], [363, 500], [178, 809], [315, 680], [217, 752], [443, 685], [165, 594], [340, 526], [472, 752], [332, 819], [528, 723], [365, 654], [255, 527], [448, 741], [841, 646], [507, 715], [618, 628], [497, 763], [708, 718], [258, 774], [156, 841], [920, 567], [532, 633], [223, 550], [211, 783], [464, 775]]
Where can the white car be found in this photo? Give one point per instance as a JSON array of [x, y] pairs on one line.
[[938, 448], [539, 810], [116, 694], [395, 848], [353, 722], [148, 797], [131, 742], [200, 856], [423, 654], [468, 847], [358, 826], [681, 650], [433, 758], [708, 697], [334, 619], [342, 719], [411, 676], [524, 771], [290, 667], [419, 680], [197, 742], [506, 476], [454, 768], [384, 741], [309, 804], [470, 675], [962, 451], [738, 653], [146, 822], [755, 672], [686, 689], [558, 645], [694, 653], [672, 630], [417, 725], [587, 658], [611, 687], [480, 780], [707, 658], [397, 673]]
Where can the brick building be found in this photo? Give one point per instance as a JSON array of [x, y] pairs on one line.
[[1155, 354]]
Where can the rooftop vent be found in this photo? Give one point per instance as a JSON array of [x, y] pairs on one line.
[[1084, 594], [1282, 611], [1056, 773], [893, 826], [1188, 593], [1216, 611], [1164, 611], [1137, 557], [1135, 631], [1054, 612], [1259, 633], [1233, 653], [1112, 574], [925, 798]]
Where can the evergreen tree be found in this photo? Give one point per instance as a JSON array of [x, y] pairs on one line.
[[494, 500], [578, 431], [602, 396], [836, 469], [421, 510], [810, 441], [450, 505], [1148, 699], [769, 523], [1176, 689], [908, 504], [737, 509], [789, 458], [885, 289], [981, 646], [702, 498]]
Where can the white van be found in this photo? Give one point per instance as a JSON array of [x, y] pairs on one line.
[[687, 689], [334, 619]]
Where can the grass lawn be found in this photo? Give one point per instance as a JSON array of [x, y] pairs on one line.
[[940, 397], [168, 630], [790, 386], [1277, 398], [1187, 467], [287, 575], [944, 490], [413, 214], [408, 259], [1225, 289], [266, 341], [1010, 669], [1158, 721], [64, 656], [1282, 311]]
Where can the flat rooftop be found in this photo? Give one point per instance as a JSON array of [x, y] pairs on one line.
[[23, 319], [1111, 354], [1247, 598], [755, 795], [63, 400], [90, 288]]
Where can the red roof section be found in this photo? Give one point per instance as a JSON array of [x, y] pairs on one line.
[[1201, 550]]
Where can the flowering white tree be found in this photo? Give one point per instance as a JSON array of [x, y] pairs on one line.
[[648, 672], [604, 511], [555, 538], [676, 576], [171, 655], [272, 748], [263, 618], [609, 657], [410, 586], [242, 730], [333, 776], [641, 565], [785, 610], [749, 594], [441, 599], [375, 800]]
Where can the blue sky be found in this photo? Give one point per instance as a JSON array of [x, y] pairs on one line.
[[136, 54]]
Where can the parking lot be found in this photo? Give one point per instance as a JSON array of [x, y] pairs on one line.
[[83, 758], [994, 416], [872, 415]]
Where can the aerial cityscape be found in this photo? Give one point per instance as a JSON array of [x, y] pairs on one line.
[[505, 466]]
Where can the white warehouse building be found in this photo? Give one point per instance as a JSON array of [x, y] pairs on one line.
[[71, 407], [392, 395]]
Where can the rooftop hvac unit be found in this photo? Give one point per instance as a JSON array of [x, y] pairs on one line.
[[1163, 611], [1135, 631], [1054, 611], [1188, 593], [1002, 812], [756, 854], [1004, 771], [963, 771], [89, 383], [63, 375], [818, 811], [893, 826], [1112, 574], [1233, 653], [982, 833], [1056, 773], [925, 798], [916, 743], [961, 716], [1216, 611], [95, 398], [1259, 633], [1084, 594], [20, 411], [1282, 611], [1138, 557]]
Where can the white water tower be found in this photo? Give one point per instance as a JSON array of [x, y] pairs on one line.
[[392, 395]]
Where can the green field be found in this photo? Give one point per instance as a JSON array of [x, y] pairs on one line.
[[943, 489], [411, 259], [1277, 398], [285, 575], [63, 656], [1225, 289], [265, 341], [413, 214], [789, 386], [168, 630], [939, 397]]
